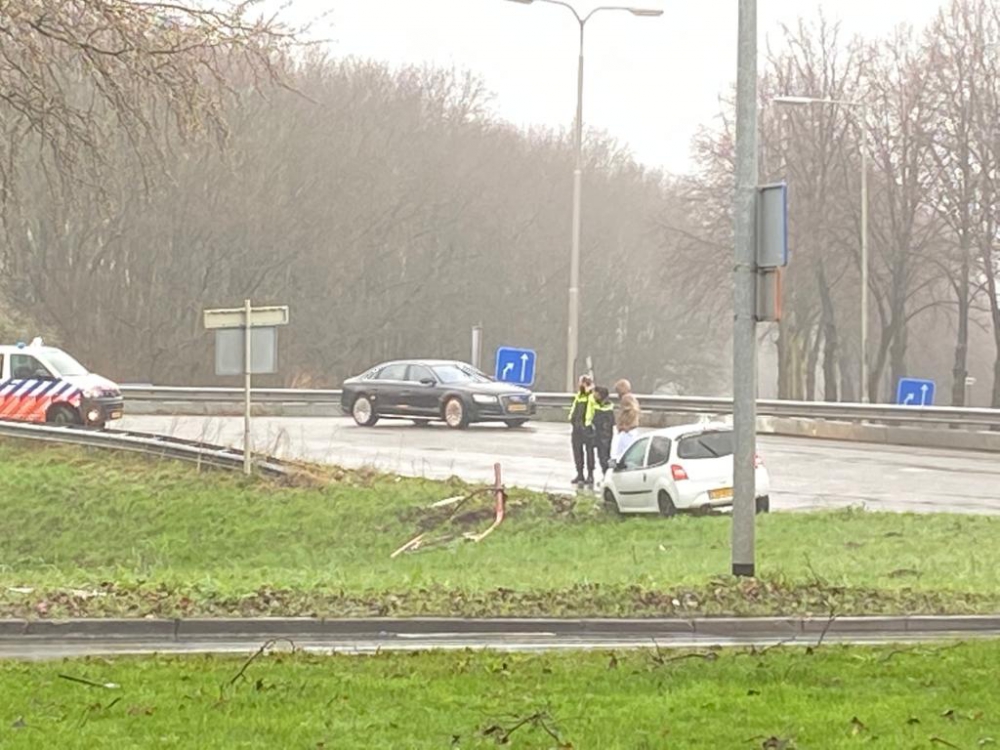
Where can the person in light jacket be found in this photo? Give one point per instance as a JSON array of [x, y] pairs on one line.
[[627, 420]]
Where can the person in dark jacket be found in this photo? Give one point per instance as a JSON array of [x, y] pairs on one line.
[[604, 426], [581, 417]]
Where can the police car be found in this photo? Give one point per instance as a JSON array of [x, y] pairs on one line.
[[41, 383]]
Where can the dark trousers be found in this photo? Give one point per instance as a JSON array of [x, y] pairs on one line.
[[583, 448], [603, 454]]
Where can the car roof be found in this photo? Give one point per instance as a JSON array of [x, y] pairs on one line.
[[425, 362], [686, 430], [29, 349]]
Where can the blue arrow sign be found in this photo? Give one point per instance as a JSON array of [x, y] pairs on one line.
[[515, 366], [915, 392]]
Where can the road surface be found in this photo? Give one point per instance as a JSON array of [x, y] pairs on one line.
[[805, 474], [116, 637]]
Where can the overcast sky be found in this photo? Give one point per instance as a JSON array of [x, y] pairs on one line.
[[650, 82]]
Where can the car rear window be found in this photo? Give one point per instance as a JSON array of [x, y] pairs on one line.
[[706, 445]]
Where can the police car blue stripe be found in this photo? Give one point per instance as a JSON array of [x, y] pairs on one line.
[[59, 390], [43, 386], [24, 388]]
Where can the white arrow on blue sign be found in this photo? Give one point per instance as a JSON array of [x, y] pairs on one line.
[[515, 366], [915, 392]]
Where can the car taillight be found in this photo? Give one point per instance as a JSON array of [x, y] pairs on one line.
[[678, 473], [757, 461]]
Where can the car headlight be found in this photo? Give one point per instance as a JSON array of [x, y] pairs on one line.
[[91, 393], [482, 398], [531, 398]]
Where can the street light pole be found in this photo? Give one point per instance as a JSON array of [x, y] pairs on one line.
[[862, 106], [864, 389], [744, 297], [573, 327], [573, 330]]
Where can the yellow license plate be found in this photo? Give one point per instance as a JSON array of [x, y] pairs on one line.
[[116, 415], [726, 493], [517, 407]]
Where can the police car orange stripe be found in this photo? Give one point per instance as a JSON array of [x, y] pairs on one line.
[[30, 400]]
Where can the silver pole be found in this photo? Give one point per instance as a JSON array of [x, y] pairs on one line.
[[865, 394], [477, 347], [573, 337], [744, 298], [247, 311]]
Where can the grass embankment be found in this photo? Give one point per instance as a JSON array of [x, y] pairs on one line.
[[835, 697], [97, 534]]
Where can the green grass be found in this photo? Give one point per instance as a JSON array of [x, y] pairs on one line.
[[103, 534], [833, 697]]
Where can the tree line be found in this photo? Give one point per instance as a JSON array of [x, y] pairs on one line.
[[924, 104], [392, 211]]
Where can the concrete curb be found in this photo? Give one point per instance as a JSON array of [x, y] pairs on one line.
[[35, 631]]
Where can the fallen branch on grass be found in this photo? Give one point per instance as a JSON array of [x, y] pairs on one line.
[[660, 660], [421, 540], [90, 683], [266, 645], [540, 719]]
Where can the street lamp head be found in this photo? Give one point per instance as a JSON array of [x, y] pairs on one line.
[[795, 100], [643, 12]]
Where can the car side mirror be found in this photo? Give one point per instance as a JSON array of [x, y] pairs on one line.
[[613, 464], [428, 381]]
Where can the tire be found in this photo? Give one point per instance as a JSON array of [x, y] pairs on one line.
[[763, 504], [515, 423], [610, 503], [666, 505], [63, 415], [363, 411], [454, 413]]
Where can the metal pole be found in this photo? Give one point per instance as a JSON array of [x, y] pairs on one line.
[[865, 395], [477, 347], [247, 311], [573, 338], [744, 298]]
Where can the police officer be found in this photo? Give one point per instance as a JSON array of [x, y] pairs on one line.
[[581, 417]]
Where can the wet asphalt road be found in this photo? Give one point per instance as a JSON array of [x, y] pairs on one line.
[[74, 648], [805, 474]]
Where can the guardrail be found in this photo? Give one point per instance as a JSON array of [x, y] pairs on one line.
[[165, 446], [814, 410]]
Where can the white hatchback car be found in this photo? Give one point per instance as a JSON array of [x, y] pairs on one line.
[[680, 468]]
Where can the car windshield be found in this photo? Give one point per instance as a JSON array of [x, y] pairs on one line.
[[458, 374], [63, 364], [706, 445]]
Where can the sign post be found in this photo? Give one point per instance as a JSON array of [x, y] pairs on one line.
[[745, 294], [246, 342], [247, 351]]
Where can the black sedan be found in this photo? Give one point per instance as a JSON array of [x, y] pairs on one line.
[[429, 389]]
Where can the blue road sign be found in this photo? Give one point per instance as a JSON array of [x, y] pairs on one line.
[[915, 392], [515, 366]]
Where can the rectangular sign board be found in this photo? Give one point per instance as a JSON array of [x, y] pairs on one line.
[[772, 226], [515, 366], [234, 317], [229, 351], [915, 392]]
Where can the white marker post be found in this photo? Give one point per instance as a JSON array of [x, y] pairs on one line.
[[247, 368]]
